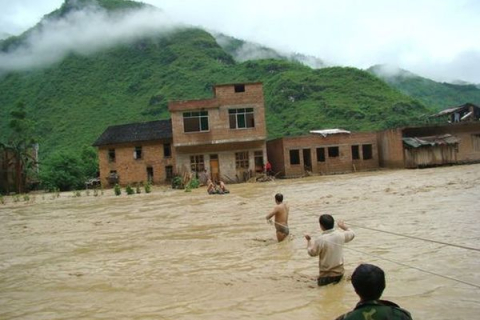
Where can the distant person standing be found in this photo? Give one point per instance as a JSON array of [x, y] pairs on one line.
[[268, 168], [369, 282], [329, 248], [280, 212]]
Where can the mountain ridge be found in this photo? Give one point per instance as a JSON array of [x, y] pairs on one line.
[[75, 99]]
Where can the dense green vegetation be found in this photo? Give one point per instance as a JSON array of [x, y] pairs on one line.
[[435, 94], [74, 101]]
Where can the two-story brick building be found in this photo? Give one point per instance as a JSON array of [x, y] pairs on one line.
[[225, 135]]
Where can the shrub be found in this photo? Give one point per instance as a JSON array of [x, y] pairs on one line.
[[117, 190], [194, 183], [129, 190], [137, 188], [177, 183], [148, 187], [95, 192], [2, 199]]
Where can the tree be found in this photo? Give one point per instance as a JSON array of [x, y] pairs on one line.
[[20, 149], [63, 171]]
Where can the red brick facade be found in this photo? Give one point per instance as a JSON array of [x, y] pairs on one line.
[[314, 153], [151, 165], [225, 135]]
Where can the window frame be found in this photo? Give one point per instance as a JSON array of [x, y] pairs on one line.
[[242, 160], [137, 153], [241, 118], [334, 152], [367, 151], [296, 157], [321, 151], [111, 155], [195, 121]]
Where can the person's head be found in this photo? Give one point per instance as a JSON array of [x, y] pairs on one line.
[[279, 198], [326, 221], [368, 281]]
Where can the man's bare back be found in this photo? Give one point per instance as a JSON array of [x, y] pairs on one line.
[[280, 212]]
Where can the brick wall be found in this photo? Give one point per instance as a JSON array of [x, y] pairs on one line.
[[307, 148], [218, 118], [132, 170], [390, 148]]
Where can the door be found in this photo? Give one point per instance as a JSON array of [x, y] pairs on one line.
[[214, 167], [307, 159], [150, 174]]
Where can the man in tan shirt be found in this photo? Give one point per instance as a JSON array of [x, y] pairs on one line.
[[329, 248], [280, 212]]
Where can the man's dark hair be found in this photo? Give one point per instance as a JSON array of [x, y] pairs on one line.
[[326, 221], [279, 197], [368, 281]]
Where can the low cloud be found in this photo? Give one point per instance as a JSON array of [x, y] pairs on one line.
[[83, 32]]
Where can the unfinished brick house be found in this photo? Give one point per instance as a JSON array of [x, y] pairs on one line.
[[416, 147], [135, 153], [225, 135], [323, 152]]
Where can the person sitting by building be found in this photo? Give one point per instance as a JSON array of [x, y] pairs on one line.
[[329, 249], [222, 187], [211, 188], [369, 282]]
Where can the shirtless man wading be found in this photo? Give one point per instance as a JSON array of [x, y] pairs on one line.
[[280, 211]]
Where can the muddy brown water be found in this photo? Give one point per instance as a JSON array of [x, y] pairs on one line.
[[177, 255]]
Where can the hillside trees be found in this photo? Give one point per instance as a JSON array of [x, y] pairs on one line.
[[19, 150]]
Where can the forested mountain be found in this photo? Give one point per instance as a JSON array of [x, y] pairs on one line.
[[439, 95], [74, 100]]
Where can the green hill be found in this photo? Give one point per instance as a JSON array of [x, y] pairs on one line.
[[439, 95], [76, 99]]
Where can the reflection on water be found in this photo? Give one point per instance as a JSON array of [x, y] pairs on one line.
[[177, 255]]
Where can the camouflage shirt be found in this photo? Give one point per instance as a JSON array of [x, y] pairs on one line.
[[376, 310]]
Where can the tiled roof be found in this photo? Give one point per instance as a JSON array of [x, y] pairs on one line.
[[136, 132]]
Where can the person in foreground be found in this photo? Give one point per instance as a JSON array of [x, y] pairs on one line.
[[280, 212], [369, 282], [329, 248]]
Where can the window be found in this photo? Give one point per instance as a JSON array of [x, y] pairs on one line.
[[111, 155], [196, 163], [168, 172], [137, 154], [167, 150], [241, 118], [355, 153], [475, 142], [239, 88], [241, 160], [333, 152], [320, 154], [195, 121], [294, 157], [367, 151]]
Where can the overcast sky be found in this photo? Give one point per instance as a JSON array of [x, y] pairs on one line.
[[439, 39]]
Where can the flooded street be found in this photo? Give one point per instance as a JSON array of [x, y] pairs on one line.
[[188, 255]]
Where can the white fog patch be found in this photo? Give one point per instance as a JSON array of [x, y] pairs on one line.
[[83, 32]]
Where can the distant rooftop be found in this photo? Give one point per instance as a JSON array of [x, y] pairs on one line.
[[136, 132], [326, 132]]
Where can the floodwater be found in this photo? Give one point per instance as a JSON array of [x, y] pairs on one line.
[[187, 255]]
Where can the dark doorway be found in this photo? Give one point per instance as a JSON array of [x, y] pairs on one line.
[[150, 174], [307, 159]]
